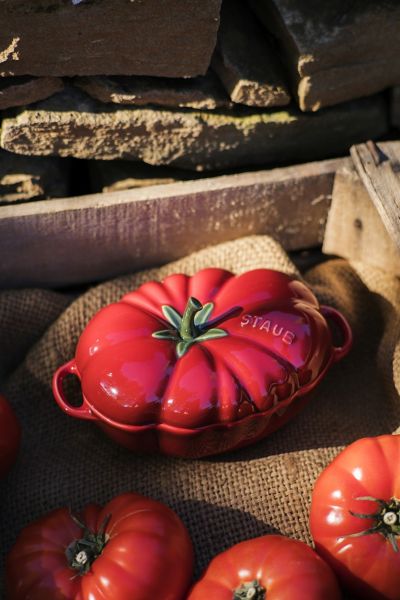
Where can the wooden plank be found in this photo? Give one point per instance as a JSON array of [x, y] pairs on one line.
[[91, 238], [245, 60], [378, 166], [354, 228]]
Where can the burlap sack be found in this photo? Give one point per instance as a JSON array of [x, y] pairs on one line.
[[222, 500]]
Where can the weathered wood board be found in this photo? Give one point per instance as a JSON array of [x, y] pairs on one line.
[[378, 167], [172, 38], [91, 238], [335, 51], [245, 60], [354, 228], [73, 124]]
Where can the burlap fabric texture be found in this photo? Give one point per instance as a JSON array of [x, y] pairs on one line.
[[263, 488]]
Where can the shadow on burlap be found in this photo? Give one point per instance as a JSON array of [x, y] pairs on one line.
[[224, 499]]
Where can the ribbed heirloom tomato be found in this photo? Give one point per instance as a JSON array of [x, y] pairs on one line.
[[271, 567], [132, 549], [355, 517], [10, 435], [192, 366]]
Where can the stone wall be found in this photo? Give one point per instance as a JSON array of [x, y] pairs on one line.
[[179, 84]]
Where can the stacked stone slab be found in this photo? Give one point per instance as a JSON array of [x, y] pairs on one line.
[[44, 40], [18, 91], [163, 38], [72, 124], [332, 54], [335, 51], [204, 92], [29, 178], [245, 60]]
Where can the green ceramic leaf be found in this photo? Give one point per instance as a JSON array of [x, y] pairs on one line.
[[172, 316], [182, 348], [165, 334], [211, 334], [203, 315]]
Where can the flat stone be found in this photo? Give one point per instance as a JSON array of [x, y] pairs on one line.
[[204, 92], [335, 54], [24, 178], [172, 38], [118, 175], [395, 107], [19, 91], [72, 124], [245, 60]]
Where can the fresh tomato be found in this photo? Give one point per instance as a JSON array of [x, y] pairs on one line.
[[355, 517], [132, 549], [271, 567], [10, 435]]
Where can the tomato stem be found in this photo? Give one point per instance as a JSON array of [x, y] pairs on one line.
[[188, 329], [82, 553], [386, 520], [193, 326], [251, 590]]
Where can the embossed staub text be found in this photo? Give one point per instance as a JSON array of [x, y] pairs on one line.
[[269, 326]]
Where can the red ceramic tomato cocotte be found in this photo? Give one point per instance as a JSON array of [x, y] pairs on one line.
[[133, 548], [271, 567], [355, 517], [10, 436], [194, 366]]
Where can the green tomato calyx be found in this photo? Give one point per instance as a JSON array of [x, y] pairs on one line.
[[82, 553], [193, 326], [386, 520], [251, 590]]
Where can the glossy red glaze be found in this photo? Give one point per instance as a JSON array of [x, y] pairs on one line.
[[223, 393]]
